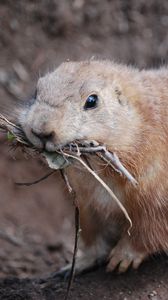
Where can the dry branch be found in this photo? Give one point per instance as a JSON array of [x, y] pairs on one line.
[[75, 150], [35, 181], [113, 196], [77, 231], [110, 157], [15, 131], [80, 152]]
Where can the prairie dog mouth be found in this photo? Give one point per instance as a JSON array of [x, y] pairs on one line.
[[51, 147], [71, 145]]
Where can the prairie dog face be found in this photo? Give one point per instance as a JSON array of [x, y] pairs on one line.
[[78, 101]]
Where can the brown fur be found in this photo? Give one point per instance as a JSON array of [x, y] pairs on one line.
[[132, 120]]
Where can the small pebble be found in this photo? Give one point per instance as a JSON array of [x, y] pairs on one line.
[[152, 294]]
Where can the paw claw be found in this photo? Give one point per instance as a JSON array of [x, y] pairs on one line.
[[123, 256], [124, 265], [137, 262], [112, 265]]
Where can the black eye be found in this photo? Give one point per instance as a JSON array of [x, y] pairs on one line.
[[91, 102]]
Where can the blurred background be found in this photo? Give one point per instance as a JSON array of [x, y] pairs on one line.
[[35, 37]]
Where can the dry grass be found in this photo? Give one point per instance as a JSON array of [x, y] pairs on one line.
[[75, 151]]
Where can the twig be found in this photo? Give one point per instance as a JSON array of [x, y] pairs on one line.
[[78, 150], [15, 130], [36, 181], [76, 147], [105, 186], [111, 157], [77, 232], [8, 122], [83, 149], [65, 177], [115, 160], [101, 156]]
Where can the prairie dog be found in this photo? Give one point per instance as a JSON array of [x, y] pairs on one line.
[[127, 110]]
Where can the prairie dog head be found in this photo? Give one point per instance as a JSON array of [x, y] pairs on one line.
[[79, 101]]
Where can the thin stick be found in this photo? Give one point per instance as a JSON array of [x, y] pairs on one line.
[[112, 157], [101, 156], [66, 180], [15, 130], [79, 148], [115, 160], [77, 232], [36, 181], [105, 186], [8, 122]]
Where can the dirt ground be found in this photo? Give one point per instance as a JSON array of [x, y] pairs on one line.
[[36, 223]]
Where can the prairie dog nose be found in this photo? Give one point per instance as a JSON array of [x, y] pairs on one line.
[[43, 136]]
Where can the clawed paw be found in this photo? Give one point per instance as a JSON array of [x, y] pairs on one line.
[[124, 256]]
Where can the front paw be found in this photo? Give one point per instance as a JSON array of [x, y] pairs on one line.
[[123, 256]]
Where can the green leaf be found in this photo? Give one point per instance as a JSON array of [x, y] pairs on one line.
[[10, 136], [57, 161]]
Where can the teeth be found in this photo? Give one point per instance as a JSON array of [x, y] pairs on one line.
[[84, 143], [90, 143], [52, 148], [94, 143]]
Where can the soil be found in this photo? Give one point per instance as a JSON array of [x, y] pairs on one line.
[[36, 223]]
